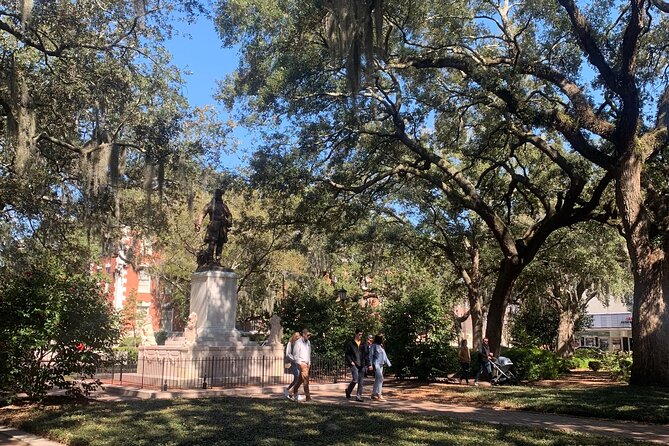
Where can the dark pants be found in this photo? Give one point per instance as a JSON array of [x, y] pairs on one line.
[[464, 371], [295, 370], [357, 377], [484, 366]]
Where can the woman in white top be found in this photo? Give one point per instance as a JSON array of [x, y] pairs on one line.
[[377, 359], [294, 369]]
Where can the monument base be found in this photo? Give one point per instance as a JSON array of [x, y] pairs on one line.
[[212, 366]]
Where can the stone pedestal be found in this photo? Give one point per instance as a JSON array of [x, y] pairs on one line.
[[213, 297], [219, 355]]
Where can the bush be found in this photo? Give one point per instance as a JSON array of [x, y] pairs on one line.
[[532, 363], [594, 365], [55, 325], [332, 323], [418, 331], [582, 357], [127, 349], [619, 364], [161, 337]]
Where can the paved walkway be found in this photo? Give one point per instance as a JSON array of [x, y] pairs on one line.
[[15, 437], [334, 394]]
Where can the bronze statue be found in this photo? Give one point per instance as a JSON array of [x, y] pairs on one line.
[[220, 220]]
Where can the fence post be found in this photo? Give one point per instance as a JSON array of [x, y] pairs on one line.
[[163, 383], [143, 370]]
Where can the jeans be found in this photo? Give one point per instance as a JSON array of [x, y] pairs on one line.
[[378, 379], [357, 377], [295, 370], [488, 369]]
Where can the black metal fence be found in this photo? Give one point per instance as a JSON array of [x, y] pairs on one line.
[[216, 372]]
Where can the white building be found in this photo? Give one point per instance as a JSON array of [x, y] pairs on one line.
[[611, 326]]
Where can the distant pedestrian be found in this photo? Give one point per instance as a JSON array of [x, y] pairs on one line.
[[302, 356], [485, 356], [370, 341], [357, 359], [465, 361], [290, 361], [377, 359]]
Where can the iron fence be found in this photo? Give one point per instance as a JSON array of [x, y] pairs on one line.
[[216, 372]]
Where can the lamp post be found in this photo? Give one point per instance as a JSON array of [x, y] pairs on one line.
[[341, 294]]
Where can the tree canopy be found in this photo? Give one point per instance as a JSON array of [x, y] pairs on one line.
[[523, 113]]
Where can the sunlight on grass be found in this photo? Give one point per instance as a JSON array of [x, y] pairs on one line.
[[616, 401], [238, 421]]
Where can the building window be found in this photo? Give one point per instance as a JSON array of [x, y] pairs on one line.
[[144, 282]]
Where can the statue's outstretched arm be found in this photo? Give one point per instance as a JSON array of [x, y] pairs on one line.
[[200, 218]]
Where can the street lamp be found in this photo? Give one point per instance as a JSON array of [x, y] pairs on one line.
[[341, 294]]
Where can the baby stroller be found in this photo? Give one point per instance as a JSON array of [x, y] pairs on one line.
[[501, 372]]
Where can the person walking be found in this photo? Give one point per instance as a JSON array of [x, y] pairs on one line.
[[485, 356], [302, 356], [357, 359], [465, 361], [290, 360], [377, 359]]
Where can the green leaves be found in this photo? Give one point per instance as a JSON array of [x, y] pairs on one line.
[[57, 327]]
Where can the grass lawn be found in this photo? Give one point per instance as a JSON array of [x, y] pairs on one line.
[[240, 421], [616, 401]]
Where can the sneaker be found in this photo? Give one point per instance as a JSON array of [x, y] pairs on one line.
[[380, 398], [375, 397], [359, 399], [476, 384]]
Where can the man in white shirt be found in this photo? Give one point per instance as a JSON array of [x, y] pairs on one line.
[[302, 356]]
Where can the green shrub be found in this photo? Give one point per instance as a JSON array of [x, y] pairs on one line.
[[574, 363], [161, 337], [619, 364], [127, 349], [56, 326], [532, 363], [418, 331], [594, 365], [332, 323]]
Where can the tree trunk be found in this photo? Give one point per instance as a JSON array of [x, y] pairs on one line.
[[565, 340], [476, 313], [506, 279], [21, 124], [650, 315]]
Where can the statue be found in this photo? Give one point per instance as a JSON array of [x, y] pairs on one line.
[[146, 332], [190, 332], [275, 330], [220, 220]]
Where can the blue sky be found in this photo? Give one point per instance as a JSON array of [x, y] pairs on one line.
[[203, 55], [196, 48]]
